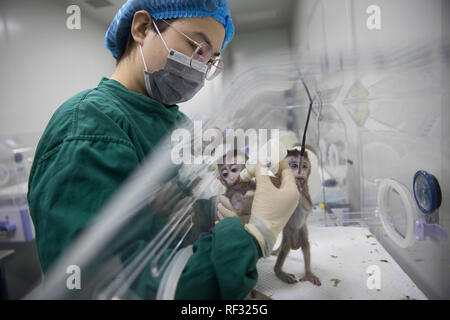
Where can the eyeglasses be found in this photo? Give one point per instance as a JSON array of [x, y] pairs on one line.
[[203, 53]]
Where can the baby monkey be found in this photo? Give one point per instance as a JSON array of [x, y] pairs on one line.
[[237, 191], [240, 195], [295, 233]]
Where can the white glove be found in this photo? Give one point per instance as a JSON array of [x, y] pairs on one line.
[[225, 209], [272, 207]]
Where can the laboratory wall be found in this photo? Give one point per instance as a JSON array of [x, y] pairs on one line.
[[43, 62], [403, 127]]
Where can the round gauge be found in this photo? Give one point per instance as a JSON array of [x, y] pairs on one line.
[[18, 157], [427, 192]]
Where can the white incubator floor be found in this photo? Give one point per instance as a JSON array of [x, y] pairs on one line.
[[340, 257]]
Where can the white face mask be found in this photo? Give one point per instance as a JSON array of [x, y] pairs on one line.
[[179, 80]]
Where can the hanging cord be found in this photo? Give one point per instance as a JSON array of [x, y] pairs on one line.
[[302, 151], [311, 101]]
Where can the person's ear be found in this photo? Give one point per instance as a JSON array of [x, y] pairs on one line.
[[140, 26]]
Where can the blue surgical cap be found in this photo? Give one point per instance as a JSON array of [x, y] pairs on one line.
[[118, 32]]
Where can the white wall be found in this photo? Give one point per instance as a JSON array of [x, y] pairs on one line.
[[333, 27], [256, 48], [43, 63]]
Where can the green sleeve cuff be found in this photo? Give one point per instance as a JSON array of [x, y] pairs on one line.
[[223, 265]]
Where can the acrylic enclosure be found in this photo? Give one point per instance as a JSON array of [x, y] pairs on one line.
[[375, 122]]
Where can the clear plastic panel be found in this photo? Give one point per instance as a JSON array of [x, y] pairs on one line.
[[368, 120]]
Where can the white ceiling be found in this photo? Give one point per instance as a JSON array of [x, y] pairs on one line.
[[246, 14]]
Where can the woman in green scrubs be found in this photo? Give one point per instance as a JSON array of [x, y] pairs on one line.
[[98, 137]]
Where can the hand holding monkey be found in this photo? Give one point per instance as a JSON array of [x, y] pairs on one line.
[[272, 207]]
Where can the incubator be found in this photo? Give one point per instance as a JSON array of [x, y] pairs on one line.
[[379, 186], [15, 164]]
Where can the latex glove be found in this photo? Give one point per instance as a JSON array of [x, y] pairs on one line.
[[272, 207], [225, 209]]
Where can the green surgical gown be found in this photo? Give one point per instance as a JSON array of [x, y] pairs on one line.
[[90, 146]]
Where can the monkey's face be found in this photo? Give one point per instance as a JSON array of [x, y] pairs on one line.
[[230, 173], [294, 163]]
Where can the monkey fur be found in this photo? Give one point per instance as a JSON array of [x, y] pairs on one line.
[[295, 233], [229, 176]]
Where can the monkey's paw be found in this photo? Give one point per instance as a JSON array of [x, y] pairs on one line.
[[311, 278], [286, 277]]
